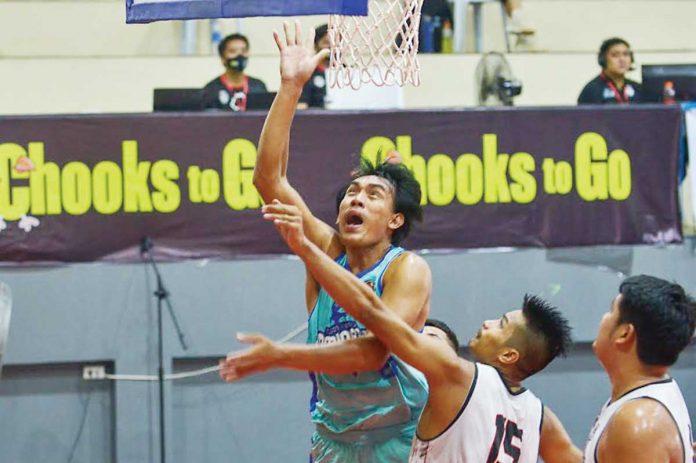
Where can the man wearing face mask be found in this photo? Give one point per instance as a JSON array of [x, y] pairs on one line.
[[611, 86], [229, 91]]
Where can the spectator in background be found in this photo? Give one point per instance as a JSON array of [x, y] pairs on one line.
[[611, 86], [229, 91], [314, 91]]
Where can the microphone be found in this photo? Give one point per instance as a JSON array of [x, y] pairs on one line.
[[146, 244]]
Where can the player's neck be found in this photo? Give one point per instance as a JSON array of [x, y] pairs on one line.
[[511, 380], [235, 77], [362, 258], [632, 376]]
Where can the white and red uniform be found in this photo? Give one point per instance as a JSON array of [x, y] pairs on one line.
[[494, 425], [666, 392]]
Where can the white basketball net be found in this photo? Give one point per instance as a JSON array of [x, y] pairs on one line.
[[380, 48]]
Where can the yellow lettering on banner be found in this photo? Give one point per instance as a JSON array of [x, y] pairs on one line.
[[563, 177], [107, 187], [44, 183], [76, 188], [495, 167], [377, 146], [374, 146], [194, 184], [167, 198], [14, 201], [441, 179], [415, 163], [210, 186], [549, 173], [590, 175], [238, 160], [524, 187], [469, 179], [619, 175], [135, 176]]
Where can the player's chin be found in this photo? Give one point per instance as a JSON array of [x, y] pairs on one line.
[[352, 238]]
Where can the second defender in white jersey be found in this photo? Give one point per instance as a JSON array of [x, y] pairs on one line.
[[664, 392], [508, 422], [645, 421], [475, 412]]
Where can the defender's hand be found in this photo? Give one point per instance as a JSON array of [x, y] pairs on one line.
[[256, 359], [297, 58], [288, 220]]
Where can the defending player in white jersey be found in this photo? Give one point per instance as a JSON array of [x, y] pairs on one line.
[[476, 412], [645, 421]]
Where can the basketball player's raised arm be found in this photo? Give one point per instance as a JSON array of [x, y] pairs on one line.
[[555, 445], [297, 62]]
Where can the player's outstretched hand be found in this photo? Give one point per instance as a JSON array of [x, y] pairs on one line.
[[260, 357], [288, 220], [297, 57]]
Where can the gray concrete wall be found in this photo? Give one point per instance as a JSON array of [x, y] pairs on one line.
[[65, 317]]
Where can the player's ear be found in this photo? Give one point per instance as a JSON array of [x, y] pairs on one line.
[[509, 356], [396, 221], [625, 336]]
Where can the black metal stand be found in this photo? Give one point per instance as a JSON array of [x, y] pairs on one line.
[[161, 294]]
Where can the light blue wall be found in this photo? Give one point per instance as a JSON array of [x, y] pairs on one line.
[[65, 317]]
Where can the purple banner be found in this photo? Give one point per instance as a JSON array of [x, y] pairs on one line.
[[145, 11], [85, 188]]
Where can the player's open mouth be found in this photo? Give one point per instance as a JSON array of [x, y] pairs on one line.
[[353, 221]]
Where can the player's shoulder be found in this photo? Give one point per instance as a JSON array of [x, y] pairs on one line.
[[410, 260], [410, 265], [640, 419]]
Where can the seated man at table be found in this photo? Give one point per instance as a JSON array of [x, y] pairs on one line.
[[611, 86], [230, 90]]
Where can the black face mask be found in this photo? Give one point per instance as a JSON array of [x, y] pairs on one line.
[[238, 63]]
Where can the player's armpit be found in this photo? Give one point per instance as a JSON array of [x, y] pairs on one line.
[[555, 445]]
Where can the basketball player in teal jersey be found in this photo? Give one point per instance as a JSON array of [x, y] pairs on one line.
[[365, 403], [476, 412]]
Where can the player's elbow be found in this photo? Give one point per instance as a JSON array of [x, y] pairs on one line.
[[262, 180], [268, 185]]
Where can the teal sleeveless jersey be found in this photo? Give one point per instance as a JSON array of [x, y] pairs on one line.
[[392, 397]]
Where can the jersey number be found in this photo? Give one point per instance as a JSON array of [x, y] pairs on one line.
[[505, 430]]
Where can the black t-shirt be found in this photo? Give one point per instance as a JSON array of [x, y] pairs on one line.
[[314, 91], [601, 90], [220, 94]]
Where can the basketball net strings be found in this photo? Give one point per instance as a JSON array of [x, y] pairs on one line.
[[203, 371]]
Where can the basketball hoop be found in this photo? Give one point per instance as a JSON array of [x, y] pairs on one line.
[[380, 48]]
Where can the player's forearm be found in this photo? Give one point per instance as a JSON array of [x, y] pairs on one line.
[[360, 301], [345, 357], [350, 293], [272, 156]]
